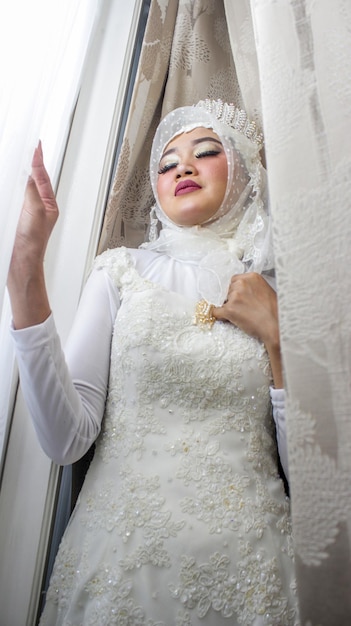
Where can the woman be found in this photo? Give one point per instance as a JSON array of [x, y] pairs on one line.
[[182, 518]]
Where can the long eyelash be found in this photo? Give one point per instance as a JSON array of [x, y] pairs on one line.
[[207, 153], [198, 155], [166, 167]]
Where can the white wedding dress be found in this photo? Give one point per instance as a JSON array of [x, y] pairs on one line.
[[182, 519]]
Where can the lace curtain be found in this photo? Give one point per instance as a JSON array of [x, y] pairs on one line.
[[305, 68], [288, 63]]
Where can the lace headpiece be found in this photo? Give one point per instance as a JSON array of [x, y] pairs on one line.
[[237, 238], [235, 118]]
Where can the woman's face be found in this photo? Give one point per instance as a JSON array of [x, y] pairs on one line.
[[192, 178]]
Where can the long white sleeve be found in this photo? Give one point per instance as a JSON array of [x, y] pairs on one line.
[[66, 396], [278, 404]]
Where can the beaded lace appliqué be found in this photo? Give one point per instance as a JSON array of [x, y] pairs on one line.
[[185, 455], [254, 590]]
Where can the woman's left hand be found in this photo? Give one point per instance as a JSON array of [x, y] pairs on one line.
[[252, 306]]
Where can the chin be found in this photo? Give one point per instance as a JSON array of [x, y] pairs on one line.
[[188, 220], [190, 223]]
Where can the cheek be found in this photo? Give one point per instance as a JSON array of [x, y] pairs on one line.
[[220, 173], [220, 165], [161, 188]]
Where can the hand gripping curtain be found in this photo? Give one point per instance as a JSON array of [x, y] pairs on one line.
[[288, 64]]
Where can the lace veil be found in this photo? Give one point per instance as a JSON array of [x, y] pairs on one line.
[[237, 238]]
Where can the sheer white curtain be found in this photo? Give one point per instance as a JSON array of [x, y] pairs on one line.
[[101, 36], [42, 50], [304, 59]]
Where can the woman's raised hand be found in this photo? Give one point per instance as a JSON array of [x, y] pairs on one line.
[[26, 282], [252, 306], [39, 212]]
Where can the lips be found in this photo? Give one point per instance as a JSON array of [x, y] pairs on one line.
[[186, 186]]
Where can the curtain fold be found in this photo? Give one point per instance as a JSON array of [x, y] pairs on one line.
[[288, 63], [304, 68], [243, 46]]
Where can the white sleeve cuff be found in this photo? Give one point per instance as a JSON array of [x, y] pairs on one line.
[[278, 404]]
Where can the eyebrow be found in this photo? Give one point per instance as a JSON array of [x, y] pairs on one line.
[[194, 142]]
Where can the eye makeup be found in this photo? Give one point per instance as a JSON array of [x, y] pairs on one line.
[[203, 147]]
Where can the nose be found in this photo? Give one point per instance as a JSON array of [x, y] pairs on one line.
[[184, 169]]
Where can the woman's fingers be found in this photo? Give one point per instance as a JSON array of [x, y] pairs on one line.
[[251, 305], [237, 299], [42, 180], [39, 213], [220, 312]]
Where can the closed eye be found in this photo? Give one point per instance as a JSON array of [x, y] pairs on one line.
[[205, 153], [165, 168]]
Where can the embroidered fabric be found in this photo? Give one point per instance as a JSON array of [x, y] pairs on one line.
[[182, 518], [238, 237]]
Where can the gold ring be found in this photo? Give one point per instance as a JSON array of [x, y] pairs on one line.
[[204, 315]]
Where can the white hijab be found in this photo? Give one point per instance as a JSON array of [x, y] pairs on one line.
[[237, 238]]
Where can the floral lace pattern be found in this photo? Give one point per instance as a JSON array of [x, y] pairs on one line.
[[182, 497], [108, 594], [213, 585], [67, 571]]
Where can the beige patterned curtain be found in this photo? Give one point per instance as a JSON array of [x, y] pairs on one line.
[[186, 56], [289, 64]]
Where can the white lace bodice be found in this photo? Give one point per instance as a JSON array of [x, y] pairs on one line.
[[182, 518]]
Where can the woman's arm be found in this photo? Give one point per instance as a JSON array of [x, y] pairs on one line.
[[252, 306], [66, 393], [66, 399]]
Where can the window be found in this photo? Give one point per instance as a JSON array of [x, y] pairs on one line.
[[29, 480]]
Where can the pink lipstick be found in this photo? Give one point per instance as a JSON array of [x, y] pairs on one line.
[[186, 186]]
